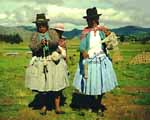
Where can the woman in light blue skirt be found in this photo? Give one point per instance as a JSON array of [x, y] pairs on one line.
[[95, 74], [101, 76]]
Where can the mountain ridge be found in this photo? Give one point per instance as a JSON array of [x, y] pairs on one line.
[[26, 31]]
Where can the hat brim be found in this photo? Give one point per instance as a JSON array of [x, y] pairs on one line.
[[92, 16], [41, 21], [63, 37], [59, 29]]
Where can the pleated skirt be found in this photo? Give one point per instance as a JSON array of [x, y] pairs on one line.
[[101, 77], [54, 79]]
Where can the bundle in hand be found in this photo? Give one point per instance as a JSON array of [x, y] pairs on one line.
[[55, 56], [111, 41]]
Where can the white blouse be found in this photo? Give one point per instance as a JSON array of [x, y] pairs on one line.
[[95, 47]]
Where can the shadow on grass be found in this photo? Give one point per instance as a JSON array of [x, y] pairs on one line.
[[81, 101], [45, 99]]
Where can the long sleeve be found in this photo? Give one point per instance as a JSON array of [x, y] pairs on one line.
[[53, 43], [102, 35], [35, 45], [84, 43]]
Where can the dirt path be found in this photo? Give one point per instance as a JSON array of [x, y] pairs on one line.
[[122, 107], [119, 107]]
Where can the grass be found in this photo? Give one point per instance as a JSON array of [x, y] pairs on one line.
[[15, 97], [134, 75], [143, 100]]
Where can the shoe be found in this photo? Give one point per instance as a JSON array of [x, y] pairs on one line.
[[100, 113], [103, 107], [59, 112], [43, 113], [81, 113]]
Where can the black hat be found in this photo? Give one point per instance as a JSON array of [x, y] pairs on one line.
[[40, 18], [91, 13]]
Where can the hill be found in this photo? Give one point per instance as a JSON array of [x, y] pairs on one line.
[[127, 30], [73, 33], [26, 31], [21, 30], [131, 30]]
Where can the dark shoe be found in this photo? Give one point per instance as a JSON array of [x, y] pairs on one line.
[[100, 114], [103, 107], [81, 113], [59, 112], [43, 113]]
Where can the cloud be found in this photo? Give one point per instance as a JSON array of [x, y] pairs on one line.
[[3, 15], [67, 15], [68, 26], [134, 12], [113, 18], [114, 12], [53, 2]]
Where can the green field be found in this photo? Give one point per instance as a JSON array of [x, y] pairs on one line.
[[129, 101]]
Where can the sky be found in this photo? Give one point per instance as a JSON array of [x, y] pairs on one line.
[[115, 13]]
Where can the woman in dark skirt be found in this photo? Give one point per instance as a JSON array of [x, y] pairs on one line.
[[46, 72]]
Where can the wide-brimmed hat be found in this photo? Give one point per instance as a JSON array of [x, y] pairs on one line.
[[91, 13], [59, 26], [40, 18]]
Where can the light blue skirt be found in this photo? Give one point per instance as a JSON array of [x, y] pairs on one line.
[[101, 77]]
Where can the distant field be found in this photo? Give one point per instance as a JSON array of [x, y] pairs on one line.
[[130, 101]]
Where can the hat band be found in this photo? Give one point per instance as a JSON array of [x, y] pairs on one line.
[[91, 16], [41, 19]]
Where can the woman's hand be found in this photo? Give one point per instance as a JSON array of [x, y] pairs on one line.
[[44, 42], [105, 30], [85, 54]]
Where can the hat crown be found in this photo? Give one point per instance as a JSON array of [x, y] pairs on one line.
[[40, 18], [91, 11]]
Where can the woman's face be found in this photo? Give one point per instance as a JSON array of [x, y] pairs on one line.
[[62, 43], [42, 29], [92, 22]]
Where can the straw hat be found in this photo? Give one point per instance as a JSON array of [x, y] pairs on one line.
[[59, 26]]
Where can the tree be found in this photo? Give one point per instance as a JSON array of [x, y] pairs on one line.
[[122, 38], [16, 38]]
